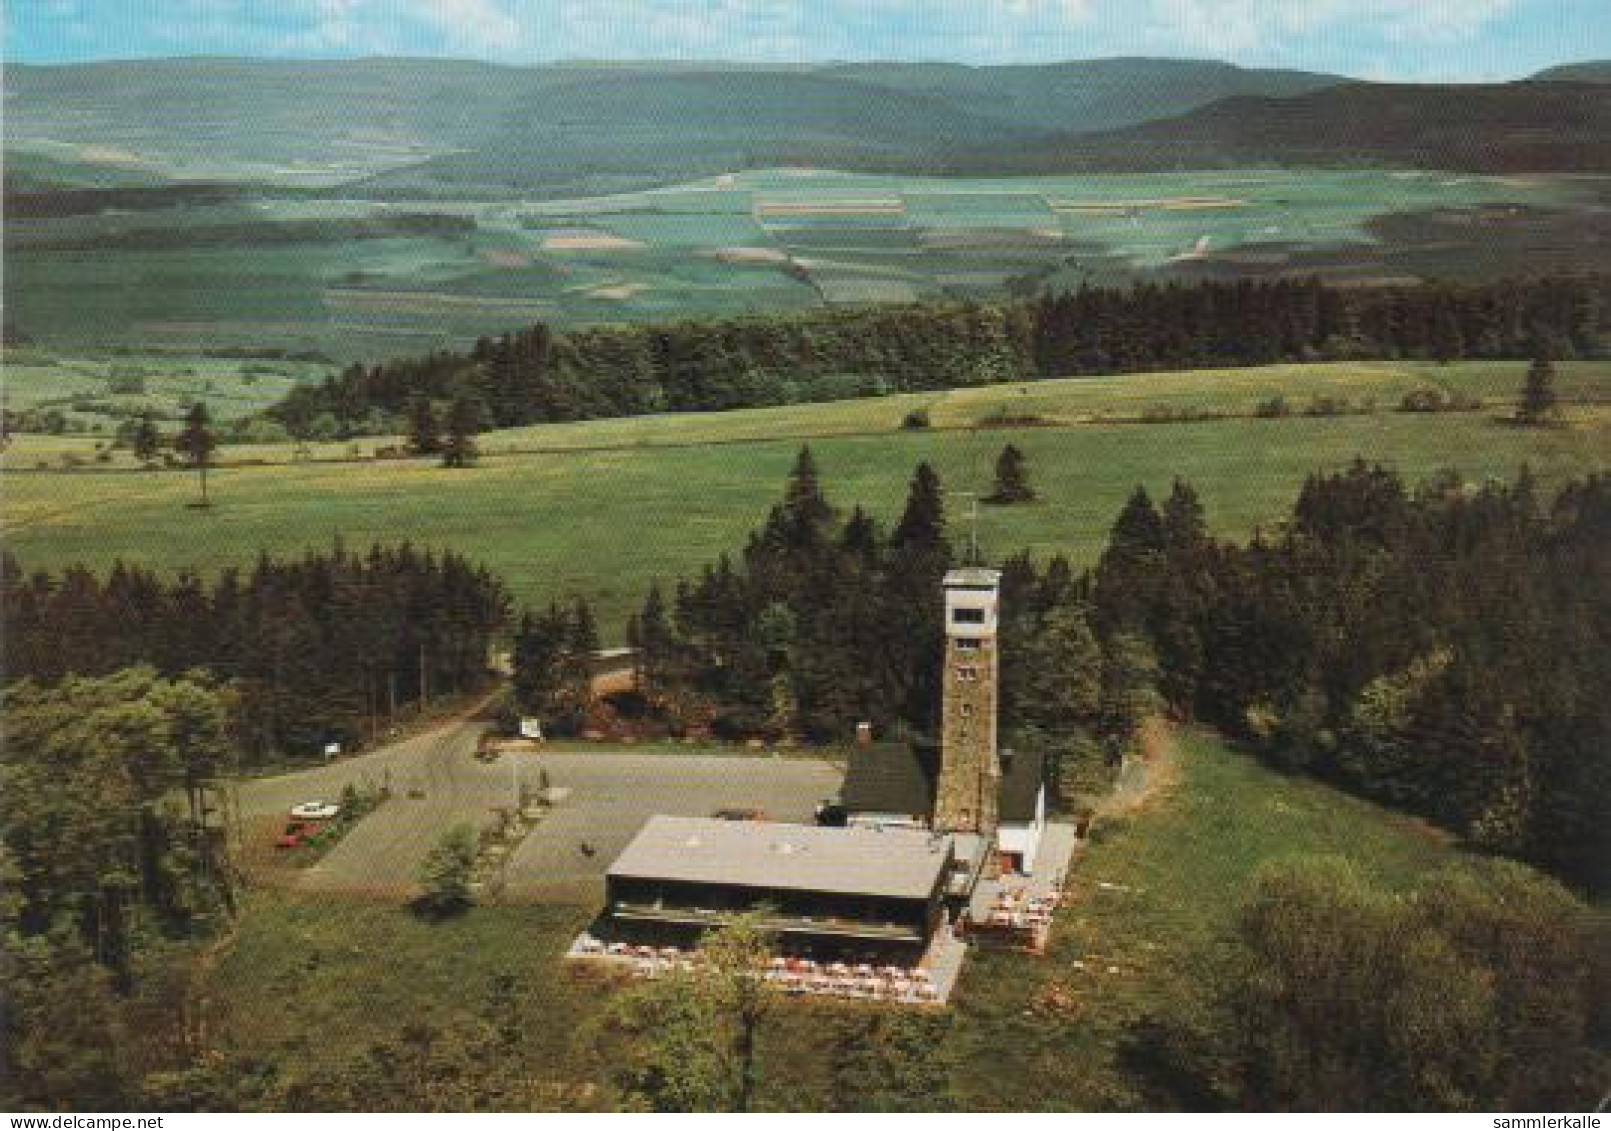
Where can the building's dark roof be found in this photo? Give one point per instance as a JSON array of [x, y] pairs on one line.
[[1022, 776], [895, 777], [892, 777]]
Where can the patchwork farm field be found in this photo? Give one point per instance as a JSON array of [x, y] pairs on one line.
[[358, 279], [602, 508]]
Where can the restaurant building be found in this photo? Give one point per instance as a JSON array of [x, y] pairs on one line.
[[878, 889]]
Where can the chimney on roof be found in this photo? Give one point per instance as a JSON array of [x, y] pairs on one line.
[[864, 734]]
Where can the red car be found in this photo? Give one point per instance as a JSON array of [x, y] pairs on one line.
[[297, 834]]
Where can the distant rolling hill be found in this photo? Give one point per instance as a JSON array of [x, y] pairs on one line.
[[1093, 94], [623, 130], [469, 127], [1593, 70], [410, 128], [1538, 127]]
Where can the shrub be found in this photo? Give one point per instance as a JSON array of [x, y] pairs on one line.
[[1436, 400], [446, 870], [916, 420], [1002, 417]]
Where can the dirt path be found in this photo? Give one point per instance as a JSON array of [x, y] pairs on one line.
[[1147, 775]]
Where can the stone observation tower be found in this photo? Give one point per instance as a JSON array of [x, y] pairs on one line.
[[969, 792]]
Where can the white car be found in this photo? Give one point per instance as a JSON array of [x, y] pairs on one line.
[[315, 810]]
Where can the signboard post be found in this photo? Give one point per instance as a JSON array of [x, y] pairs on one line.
[[331, 750], [531, 728]]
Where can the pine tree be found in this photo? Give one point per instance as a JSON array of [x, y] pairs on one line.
[[197, 442], [424, 431], [1060, 674], [1538, 399], [581, 648], [146, 439], [920, 555], [807, 514], [447, 870], [1012, 478], [922, 524], [1131, 568], [464, 420]]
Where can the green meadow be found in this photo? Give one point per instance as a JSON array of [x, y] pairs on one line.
[[1152, 908], [601, 508]]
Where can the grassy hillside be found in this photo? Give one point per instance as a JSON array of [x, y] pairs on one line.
[[1033, 1033], [1157, 893], [601, 508]]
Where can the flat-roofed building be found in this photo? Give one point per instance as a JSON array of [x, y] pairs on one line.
[[874, 887]]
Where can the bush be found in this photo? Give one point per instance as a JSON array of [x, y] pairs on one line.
[[1436, 400], [1272, 409], [916, 420], [1002, 417], [1327, 406], [446, 870], [261, 430]]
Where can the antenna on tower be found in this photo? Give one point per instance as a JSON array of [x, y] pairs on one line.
[[973, 526]]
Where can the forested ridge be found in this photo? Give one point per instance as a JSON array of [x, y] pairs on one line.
[[539, 375]]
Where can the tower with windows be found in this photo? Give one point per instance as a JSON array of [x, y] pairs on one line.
[[969, 794]]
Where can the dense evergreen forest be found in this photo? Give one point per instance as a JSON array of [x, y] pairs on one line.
[[538, 375], [1442, 649], [826, 620], [316, 650]]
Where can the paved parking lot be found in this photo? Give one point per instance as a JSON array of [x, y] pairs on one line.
[[611, 794]]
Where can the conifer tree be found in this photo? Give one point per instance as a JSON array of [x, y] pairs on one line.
[[197, 442], [1538, 398], [424, 431], [1012, 478], [146, 439], [805, 507], [464, 420], [920, 554]]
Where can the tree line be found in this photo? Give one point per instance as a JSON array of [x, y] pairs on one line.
[[826, 619], [539, 375], [325, 648], [1440, 649]]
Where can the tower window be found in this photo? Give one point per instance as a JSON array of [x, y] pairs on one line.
[[967, 644], [967, 616]]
